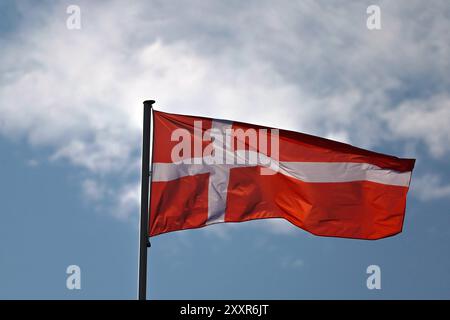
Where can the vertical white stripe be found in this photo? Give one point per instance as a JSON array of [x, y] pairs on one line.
[[218, 179]]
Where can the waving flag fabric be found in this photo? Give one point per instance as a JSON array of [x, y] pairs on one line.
[[207, 171]]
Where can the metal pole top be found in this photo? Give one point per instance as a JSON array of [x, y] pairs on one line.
[[149, 103]]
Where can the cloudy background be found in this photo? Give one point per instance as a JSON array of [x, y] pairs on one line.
[[70, 130]]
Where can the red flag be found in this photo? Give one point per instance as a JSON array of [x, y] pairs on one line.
[[207, 171]]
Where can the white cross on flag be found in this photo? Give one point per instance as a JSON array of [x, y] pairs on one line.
[[207, 171]]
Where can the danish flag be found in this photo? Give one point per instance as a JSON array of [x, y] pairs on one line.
[[207, 171]]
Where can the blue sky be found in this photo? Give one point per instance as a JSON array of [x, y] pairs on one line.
[[70, 125]]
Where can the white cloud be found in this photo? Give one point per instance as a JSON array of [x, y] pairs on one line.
[[32, 163], [292, 263], [93, 190], [219, 230], [310, 66], [128, 201], [425, 120], [280, 226], [430, 187]]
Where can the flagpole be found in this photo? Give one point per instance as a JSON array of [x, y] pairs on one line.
[[145, 174]]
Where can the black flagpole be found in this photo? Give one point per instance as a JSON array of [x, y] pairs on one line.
[[143, 234]]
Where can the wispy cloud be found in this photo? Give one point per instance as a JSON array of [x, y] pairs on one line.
[[430, 187], [32, 162], [292, 263], [92, 190], [423, 119]]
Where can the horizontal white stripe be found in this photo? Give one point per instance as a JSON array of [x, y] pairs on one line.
[[173, 171], [343, 172], [304, 171]]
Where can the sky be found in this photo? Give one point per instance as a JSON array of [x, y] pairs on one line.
[[70, 141]]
